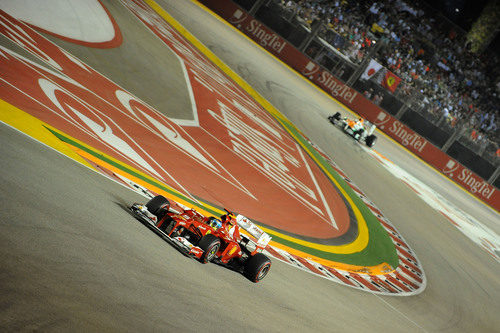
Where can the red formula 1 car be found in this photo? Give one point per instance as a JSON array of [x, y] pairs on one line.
[[209, 238]]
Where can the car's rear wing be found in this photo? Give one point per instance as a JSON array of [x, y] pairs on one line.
[[247, 225]]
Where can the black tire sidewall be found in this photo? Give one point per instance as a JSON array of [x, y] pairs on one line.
[[207, 244], [370, 140], [255, 265], [156, 204]]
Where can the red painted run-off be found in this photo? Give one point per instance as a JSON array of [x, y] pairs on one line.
[[233, 154], [356, 102]]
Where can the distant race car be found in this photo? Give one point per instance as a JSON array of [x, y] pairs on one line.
[[209, 238], [356, 128]]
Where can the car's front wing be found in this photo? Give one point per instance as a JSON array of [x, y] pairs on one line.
[[181, 243]]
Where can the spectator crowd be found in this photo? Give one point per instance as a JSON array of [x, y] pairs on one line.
[[430, 55]]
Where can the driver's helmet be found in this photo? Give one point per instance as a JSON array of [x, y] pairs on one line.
[[215, 223], [361, 120]]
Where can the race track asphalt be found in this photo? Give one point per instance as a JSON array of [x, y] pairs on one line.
[[74, 259]]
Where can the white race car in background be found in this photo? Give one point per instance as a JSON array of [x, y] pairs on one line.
[[359, 129]]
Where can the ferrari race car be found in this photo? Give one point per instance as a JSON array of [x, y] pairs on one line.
[[208, 238], [355, 128]]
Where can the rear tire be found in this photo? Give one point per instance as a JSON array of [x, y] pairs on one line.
[[370, 140], [157, 205], [210, 244], [257, 267]]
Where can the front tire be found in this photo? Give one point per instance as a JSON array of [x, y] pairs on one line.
[[257, 267], [158, 205], [210, 245]]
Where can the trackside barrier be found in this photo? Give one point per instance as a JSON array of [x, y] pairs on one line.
[[401, 133]]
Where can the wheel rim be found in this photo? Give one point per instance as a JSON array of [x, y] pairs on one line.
[[263, 272], [212, 252]]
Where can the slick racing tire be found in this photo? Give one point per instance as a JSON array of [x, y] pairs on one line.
[[370, 140], [210, 244], [158, 206], [257, 267]]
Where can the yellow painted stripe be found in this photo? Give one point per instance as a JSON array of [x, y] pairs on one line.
[[362, 240], [382, 268], [36, 129]]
